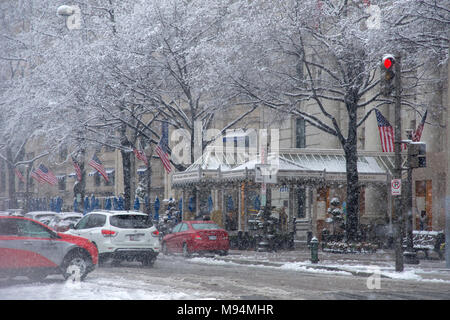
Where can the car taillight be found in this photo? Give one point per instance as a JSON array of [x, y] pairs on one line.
[[196, 236], [108, 233], [155, 233]]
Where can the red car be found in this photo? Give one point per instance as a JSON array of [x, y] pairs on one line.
[[30, 248], [188, 237]]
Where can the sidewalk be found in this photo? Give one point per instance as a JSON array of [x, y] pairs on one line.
[[355, 264]]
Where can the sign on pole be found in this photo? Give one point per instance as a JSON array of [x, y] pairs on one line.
[[396, 187], [264, 174]]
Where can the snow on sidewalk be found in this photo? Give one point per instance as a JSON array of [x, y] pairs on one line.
[[329, 266]]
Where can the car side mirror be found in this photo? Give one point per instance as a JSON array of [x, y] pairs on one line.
[[55, 235]]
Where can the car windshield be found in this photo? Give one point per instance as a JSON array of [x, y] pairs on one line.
[[128, 221], [205, 226]]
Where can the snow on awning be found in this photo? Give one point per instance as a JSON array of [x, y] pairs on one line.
[[108, 171], [332, 162], [212, 161], [327, 165]]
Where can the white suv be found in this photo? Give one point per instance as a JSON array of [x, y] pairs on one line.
[[120, 235]]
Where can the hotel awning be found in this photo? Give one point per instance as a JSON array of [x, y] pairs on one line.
[[292, 165]]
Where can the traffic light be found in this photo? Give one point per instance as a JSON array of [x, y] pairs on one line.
[[417, 153], [387, 74]]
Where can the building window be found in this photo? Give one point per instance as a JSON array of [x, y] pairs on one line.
[[300, 137], [61, 183], [97, 179], [301, 203], [111, 176]]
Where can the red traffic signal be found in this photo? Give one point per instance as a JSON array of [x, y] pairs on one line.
[[387, 63], [387, 74]]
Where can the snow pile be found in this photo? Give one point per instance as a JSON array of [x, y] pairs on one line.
[[300, 266], [330, 269], [98, 288]]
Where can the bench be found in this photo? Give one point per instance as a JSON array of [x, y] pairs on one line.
[[427, 241]]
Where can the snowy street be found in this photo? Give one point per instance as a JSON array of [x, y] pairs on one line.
[[237, 276]]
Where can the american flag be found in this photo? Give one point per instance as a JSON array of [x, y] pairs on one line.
[[97, 165], [162, 149], [46, 175], [418, 133], [35, 176], [77, 169], [141, 155], [386, 133], [19, 175]]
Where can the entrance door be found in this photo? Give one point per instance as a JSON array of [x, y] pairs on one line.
[[424, 204]]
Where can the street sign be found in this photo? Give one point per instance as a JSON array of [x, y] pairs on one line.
[[265, 174], [396, 187]]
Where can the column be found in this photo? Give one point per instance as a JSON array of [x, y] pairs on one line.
[[291, 212], [224, 207], [314, 213], [184, 205]]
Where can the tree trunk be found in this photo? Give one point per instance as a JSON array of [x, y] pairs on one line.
[[126, 165], [11, 181], [27, 189], [80, 186], [148, 209], [351, 158]]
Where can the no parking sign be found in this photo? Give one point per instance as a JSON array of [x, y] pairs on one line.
[[396, 187]]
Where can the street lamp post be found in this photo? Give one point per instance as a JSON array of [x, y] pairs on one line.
[[398, 167]]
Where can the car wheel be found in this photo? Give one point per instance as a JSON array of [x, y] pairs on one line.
[[223, 253], [186, 252], [102, 261], [116, 262], [37, 275], [75, 265], [148, 261]]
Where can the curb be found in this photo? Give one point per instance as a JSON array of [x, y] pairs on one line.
[[356, 273]]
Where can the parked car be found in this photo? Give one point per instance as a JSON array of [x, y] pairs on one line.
[[12, 212], [64, 221], [41, 216], [30, 248], [120, 235], [16, 212], [190, 237]]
